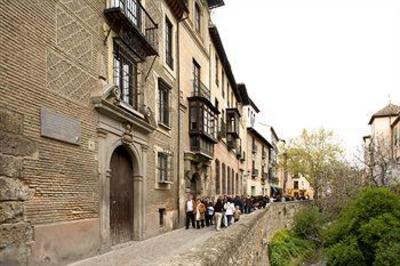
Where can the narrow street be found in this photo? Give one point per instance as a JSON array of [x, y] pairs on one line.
[[160, 250], [153, 251]]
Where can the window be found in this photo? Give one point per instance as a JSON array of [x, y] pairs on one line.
[[197, 17], [223, 178], [169, 43], [202, 119], [296, 184], [217, 178], [228, 98], [232, 182], [162, 216], [237, 184], [125, 76], [163, 166], [229, 180], [163, 107], [253, 190], [216, 70], [196, 77], [223, 84]]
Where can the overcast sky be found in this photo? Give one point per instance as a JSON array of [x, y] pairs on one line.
[[315, 63]]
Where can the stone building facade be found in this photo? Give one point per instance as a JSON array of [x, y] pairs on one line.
[[89, 150], [382, 146], [258, 163], [111, 113]]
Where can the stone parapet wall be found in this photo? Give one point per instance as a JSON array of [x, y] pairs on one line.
[[246, 242]]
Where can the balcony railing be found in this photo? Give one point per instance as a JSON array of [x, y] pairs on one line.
[[133, 15], [202, 146], [200, 90]]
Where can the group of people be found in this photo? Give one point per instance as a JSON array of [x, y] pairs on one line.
[[225, 211]]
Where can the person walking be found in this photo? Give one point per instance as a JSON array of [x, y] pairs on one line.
[[218, 210], [209, 213], [190, 206], [236, 214], [229, 209], [200, 213]]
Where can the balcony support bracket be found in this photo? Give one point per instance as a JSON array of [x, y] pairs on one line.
[[109, 31], [151, 67]]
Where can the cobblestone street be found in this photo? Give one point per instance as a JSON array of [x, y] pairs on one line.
[[153, 251]]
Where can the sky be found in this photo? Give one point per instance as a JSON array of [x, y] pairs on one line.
[[316, 63]]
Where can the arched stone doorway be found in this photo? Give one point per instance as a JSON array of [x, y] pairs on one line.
[[121, 196]]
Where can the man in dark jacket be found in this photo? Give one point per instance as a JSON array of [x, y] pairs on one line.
[[218, 213]]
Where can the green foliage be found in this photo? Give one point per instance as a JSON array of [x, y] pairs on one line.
[[388, 255], [346, 253], [308, 224], [291, 247], [286, 246], [369, 224]]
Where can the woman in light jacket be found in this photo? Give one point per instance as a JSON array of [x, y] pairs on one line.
[[229, 209]]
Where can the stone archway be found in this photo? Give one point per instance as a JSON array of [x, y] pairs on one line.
[[108, 144], [121, 196]]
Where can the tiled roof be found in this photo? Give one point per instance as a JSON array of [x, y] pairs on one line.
[[388, 110]]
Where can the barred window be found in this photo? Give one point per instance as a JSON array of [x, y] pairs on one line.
[[125, 76], [163, 107], [169, 43], [163, 168]]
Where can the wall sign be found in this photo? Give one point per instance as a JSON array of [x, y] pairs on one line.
[[59, 126]]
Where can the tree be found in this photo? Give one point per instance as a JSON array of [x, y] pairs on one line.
[[378, 159], [367, 231], [315, 155]]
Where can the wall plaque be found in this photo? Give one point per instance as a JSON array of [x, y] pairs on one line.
[[59, 126]]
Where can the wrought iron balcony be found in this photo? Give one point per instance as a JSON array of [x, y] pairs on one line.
[[139, 30], [201, 90]]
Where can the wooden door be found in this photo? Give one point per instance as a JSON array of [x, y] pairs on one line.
[[121, 197]]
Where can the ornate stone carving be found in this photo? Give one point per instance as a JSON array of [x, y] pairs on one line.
[[127, 137], [149, 115]]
